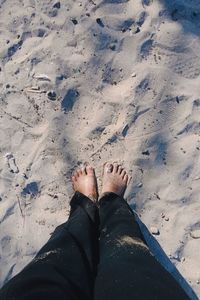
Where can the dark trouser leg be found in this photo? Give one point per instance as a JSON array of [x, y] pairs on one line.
[[65, 267], [127, 270]]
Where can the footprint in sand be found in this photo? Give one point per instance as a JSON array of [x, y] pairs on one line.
[[69, 100], [141, 18], [179, 59]]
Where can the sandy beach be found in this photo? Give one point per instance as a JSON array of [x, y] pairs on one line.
[[97, 81]]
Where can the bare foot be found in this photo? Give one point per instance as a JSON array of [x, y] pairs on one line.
[[85, 182], [115, 179]]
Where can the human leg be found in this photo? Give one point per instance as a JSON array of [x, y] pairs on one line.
[[127, 269], [65, 267]]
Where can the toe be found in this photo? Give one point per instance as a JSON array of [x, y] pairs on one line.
[[79, 171], [120, 169], [108, 168], [73, 178], [74, 185], [123, 173], [75, 174], [89, 170], [125, 179], [83, 169], [115, 167]]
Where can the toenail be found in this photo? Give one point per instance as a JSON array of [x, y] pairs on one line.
[[89, 168], [109, 168]]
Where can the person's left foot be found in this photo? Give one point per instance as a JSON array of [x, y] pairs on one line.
[[85, 182]]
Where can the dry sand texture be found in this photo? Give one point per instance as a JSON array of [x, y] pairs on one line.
[[123, 83]]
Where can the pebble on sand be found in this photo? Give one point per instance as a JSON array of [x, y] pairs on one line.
[[154, 230], [140, 184], [99, 22], [51, 95], [146, 152], [74, 21], [195, 234], [183, 259]]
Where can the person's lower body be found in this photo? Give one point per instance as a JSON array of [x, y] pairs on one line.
[[66, 267], [127, 269]]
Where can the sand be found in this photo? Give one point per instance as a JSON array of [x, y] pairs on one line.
[[96, 81]]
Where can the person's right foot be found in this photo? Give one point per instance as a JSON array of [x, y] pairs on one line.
[[115, 179], [85, 182]]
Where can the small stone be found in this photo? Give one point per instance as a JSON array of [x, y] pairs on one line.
[[133, 74], [195, 234], [57, 5], [146, 152], [51, 95], [99, 22], [74, 21], [140, 184], [162, 215], [7, 86], [182, 259], [1, 199], [166, 219], [154, 230], [17, 71], [198, 281], [137, 30], [157, 196]]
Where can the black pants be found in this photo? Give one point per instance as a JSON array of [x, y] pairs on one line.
[[99, 253]]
